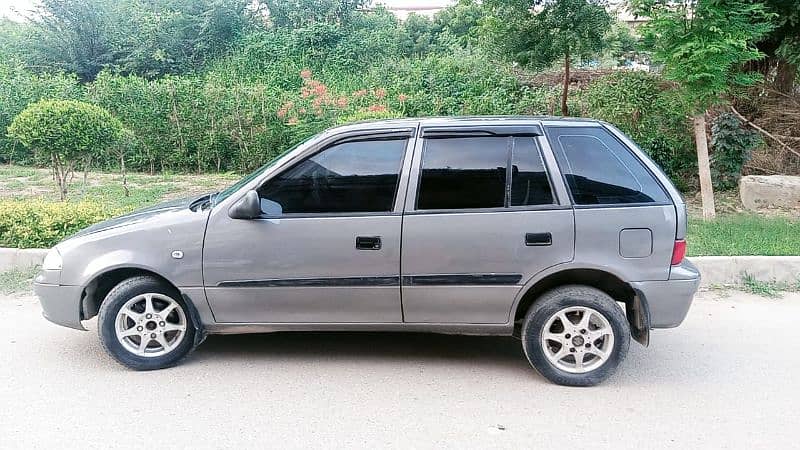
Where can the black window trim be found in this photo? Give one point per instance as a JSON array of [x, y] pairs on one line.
[[467, 132], [551, 141], [392, 134]]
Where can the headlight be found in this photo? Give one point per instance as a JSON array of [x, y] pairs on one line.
[[52, 261]]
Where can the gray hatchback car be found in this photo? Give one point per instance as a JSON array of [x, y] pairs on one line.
[[561, 232]]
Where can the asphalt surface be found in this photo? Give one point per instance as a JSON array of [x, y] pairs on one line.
[[727, 378]]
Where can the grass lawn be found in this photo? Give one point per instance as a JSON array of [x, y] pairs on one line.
[[744, 234], [17, 182]]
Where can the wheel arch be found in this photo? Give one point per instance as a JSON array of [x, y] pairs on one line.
[[98, 287], [636, 308]]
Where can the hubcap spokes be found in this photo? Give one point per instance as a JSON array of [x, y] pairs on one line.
[[150, 325], [577, 339]]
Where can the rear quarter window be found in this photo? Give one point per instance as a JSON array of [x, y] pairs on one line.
[[599, 170]]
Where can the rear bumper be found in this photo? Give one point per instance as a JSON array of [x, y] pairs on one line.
[[669, 301], [60, 304]]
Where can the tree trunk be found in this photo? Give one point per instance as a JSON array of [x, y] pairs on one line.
[[785, 74], [704, 167], [124, 174], [565, 91]]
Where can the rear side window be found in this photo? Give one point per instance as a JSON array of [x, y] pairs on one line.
[[482, 172], [599, 170], [529, 182], [463, 173]]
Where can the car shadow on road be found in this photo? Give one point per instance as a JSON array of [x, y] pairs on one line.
[[366, 346]]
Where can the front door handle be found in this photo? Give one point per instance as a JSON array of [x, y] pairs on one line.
[[368, 242], [537, 239]]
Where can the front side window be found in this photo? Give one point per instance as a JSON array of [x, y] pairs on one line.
[[482, 172], [599, 170], [351, 177]]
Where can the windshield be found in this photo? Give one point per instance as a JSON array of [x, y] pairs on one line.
[[222, 195]]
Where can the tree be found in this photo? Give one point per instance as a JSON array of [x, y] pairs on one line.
[[704, 45], [302, 13], [72, 36], [781, 46], [540, 32], [65, 133], [145, 37]]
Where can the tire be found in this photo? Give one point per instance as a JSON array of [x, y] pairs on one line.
[[605, 332], [175, 333]]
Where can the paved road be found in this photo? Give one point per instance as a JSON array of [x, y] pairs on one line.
[[727, 378]]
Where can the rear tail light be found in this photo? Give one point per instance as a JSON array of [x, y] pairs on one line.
[[678, 251]]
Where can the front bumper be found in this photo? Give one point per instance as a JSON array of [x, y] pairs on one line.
[[60, 304], [668, 301]]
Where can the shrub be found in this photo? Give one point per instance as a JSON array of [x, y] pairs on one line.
[[732, 145], [65, 133], [19, 88], [38, 224]]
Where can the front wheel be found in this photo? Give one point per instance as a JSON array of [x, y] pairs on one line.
[[575, 335], [145, 325]]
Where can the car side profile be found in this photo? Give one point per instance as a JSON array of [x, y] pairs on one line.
[[559, 231]]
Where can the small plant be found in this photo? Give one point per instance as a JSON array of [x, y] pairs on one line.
[[770, 288], [65, 133], [732, 146]]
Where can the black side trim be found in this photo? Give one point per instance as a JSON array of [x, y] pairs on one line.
[[477, 279], [315, 282]]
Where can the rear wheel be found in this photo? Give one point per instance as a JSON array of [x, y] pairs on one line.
[[575, 335], [144, 324]]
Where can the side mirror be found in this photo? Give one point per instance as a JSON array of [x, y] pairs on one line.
[[248, 207]]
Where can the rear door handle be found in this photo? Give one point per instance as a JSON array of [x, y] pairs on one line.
[[368, 242], [538, 239]]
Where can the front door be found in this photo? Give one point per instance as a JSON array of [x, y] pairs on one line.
[[327, 247], [481, 219]]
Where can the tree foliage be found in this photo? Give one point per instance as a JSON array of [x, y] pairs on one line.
[[65, 133], [538, 33], [145, 37], [703, 44]]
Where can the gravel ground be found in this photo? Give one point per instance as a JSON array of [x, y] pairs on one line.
[[727, 378]]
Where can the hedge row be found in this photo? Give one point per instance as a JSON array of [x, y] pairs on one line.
[[40, 224]]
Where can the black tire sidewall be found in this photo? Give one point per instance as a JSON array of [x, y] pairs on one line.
[[565, 297], [115, 299]]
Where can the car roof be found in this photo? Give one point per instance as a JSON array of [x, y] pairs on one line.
[[466, 121]]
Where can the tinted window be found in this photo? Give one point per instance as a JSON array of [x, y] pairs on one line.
[[529, 182], [599, 170], [463, 173], [350, 177]]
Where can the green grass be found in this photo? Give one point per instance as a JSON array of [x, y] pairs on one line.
[[767, 288], [744, 234], [17, 182], [17, 280]]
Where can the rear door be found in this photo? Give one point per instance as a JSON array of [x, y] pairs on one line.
[[481, 218]]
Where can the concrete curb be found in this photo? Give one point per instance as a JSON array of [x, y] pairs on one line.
[[21, 258], [715, 270]]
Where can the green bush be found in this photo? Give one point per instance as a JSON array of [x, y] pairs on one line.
[[38, 224], [65, 133], [20, 87], [732, 145], [652, 112]]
